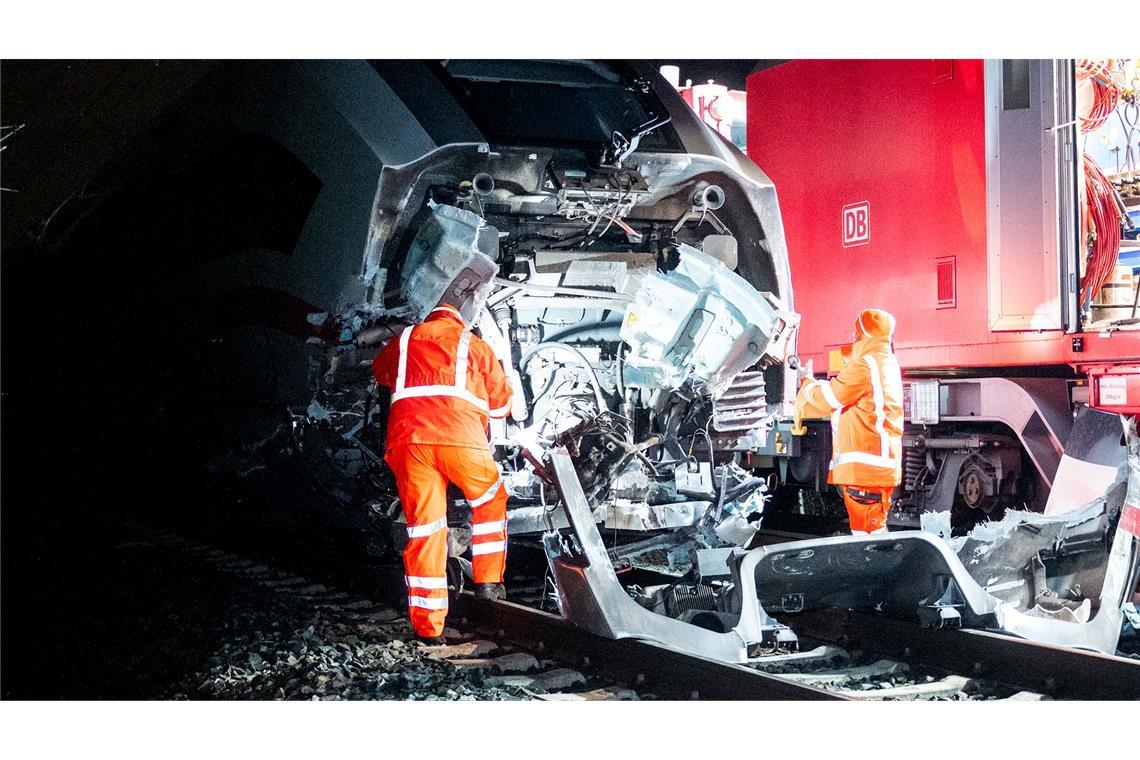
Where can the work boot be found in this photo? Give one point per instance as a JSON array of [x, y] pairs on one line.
[[490, 591], [431, 641]]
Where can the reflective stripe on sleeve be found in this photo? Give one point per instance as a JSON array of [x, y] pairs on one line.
[[502, 411], [420, 531], [490, 547], [428, 603], [419, 581], [487, 496], [828, 394], [483, 528]]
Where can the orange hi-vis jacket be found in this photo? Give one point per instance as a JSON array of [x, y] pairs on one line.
[[445, 383], [865, 404]]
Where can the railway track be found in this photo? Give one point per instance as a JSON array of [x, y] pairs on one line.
[[356, 647], [846, 656]]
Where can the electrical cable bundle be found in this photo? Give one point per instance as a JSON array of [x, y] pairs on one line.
[[1102, 220], [1106, 94]]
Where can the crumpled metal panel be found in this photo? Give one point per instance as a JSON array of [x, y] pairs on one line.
[[916, 574], [1122, 572], [763, 258], [592, 597], [903, 573]]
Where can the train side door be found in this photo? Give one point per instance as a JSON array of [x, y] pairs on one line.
[[1031, 188]]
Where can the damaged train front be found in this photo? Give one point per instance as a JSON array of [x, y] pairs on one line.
[[634, 348]]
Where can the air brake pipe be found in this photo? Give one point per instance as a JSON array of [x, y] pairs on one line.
[[709, 196], [483, 184]]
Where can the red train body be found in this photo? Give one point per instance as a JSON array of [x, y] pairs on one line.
[[948, 192], [881, 171]]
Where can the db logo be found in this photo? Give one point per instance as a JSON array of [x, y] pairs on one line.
[[856, 224]]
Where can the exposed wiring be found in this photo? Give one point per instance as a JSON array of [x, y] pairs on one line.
[[1106, 93], [1102, 222], [634, 234], [612, 213], [556, 346]]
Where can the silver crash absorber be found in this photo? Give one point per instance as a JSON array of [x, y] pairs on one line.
[[742, 406]]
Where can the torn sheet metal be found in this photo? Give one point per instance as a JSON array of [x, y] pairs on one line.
[[909, 574], [1121, 575], [639, 516], [995, 577], [594, 599]]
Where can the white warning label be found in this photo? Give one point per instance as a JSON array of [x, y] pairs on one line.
[[1113, 390]]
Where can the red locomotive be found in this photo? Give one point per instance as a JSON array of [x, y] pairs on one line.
[[950, 193]]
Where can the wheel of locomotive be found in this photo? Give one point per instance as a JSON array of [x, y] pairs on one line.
[[976, 500], [972, 486]]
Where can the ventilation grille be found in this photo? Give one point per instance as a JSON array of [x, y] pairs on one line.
[[743, 405], [947, 282], [943, 70]]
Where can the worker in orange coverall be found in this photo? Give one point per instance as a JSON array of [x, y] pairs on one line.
[[446, 383], [864, 403]]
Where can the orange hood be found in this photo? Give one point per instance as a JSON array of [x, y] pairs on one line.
[[873, 326]]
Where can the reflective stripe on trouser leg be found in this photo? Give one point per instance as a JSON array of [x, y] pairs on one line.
[[474, 471], [423, 496], [489, 539], [867, 515]]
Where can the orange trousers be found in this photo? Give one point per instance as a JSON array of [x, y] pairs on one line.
[[867, 508], [422, 474]]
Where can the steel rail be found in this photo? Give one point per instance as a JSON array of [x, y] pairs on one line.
[[640, 664], [1058, 672]]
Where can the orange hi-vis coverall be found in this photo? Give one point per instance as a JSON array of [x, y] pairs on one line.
[[865, 405], [446, 383]]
